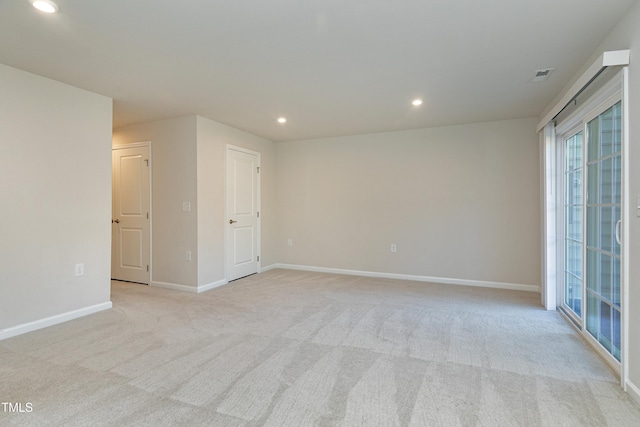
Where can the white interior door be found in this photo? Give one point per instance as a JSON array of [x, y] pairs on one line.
[[242, 219], [131, 229]]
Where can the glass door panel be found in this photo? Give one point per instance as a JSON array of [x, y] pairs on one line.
[[573, 215], [604, 182]]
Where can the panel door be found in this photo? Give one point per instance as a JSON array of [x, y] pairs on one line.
[[131, 230], [242, 213]]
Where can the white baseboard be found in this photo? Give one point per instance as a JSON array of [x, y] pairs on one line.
[[444, 280], [52, 320], [175, 287], [633, 390], [269, 267], [212, 285], [191, 289]]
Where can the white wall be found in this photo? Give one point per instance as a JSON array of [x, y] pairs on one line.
[[55, 170], [174, 178], [460, 202]]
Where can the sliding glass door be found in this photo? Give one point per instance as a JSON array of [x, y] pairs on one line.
[[604, 189], [591, 225]]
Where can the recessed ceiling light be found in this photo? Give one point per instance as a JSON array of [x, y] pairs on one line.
[[416, 102], [282, 120], [46, 6]]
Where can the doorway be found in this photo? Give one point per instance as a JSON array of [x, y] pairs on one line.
[[131, 213], [242, 212]]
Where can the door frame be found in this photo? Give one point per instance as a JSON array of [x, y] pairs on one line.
[[231, 147], [137, 145]]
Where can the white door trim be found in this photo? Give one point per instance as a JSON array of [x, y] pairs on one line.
[[149, 145], [258, 202], [626, 220], [132, 145]]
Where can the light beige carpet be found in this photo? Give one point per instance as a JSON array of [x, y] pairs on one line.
[[287, 348]]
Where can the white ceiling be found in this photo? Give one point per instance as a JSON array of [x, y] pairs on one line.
[[332, 67]]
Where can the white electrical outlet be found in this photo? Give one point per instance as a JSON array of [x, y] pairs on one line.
[[187, 256], [394, 248], [79, 270], [289, 242], [186, 206]]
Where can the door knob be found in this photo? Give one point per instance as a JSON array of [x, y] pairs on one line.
[[232, 221], [117, 221]]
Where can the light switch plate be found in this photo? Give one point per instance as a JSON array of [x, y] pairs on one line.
[[79, 270]]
